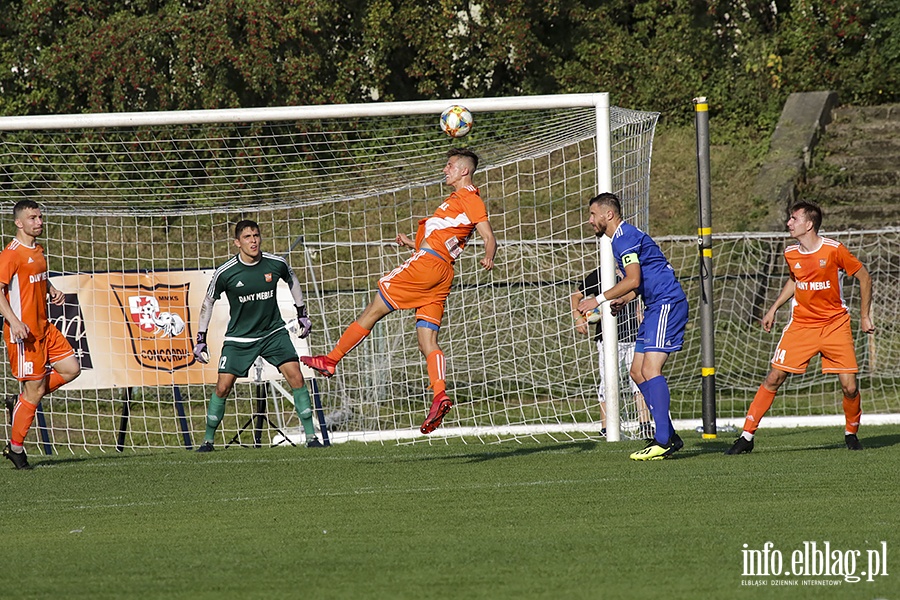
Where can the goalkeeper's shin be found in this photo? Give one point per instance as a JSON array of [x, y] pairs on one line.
[[303, 406], [214, 415]]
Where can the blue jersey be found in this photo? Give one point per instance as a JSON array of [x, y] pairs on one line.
[[658, 284]]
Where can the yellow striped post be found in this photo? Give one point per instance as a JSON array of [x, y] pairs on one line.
[[704, 233]]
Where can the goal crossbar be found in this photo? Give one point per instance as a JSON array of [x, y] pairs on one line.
[[291, 113]]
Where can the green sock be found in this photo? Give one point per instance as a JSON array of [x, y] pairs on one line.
[[214, 415], [304, 411]]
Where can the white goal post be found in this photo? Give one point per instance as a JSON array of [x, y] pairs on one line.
[[154, 197]]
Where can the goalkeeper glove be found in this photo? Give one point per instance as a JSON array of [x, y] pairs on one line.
[[201, 353], [304, 321]]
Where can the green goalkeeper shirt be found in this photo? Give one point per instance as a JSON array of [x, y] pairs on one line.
[[251, 293]]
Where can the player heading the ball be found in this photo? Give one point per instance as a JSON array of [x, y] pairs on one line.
[[422, 283]]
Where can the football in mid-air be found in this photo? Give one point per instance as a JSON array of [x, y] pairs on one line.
[[456, 121]]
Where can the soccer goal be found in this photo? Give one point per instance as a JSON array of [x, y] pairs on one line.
[[140, 208]]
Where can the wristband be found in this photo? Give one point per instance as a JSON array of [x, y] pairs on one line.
[[201, 337]]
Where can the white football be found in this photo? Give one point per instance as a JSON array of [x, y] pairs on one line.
[[457, 121], [594, 314]]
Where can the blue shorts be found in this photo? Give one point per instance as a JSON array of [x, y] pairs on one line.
[[662, 329]]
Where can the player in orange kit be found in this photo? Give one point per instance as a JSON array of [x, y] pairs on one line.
[[41, 357], [819, 324], [423, 281]]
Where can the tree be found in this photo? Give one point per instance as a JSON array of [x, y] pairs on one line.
[[452, 48], [94, 55], [747, 55]]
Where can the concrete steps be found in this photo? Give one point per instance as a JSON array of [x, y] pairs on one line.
[[855, 171]]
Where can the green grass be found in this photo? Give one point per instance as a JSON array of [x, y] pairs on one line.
[[733, 169], [531, 520]]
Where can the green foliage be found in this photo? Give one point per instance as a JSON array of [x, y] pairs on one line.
[[746, 56], [447, 48], [95, 55]]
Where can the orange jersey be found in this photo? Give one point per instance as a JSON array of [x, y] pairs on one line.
[[448, 231], [818, 296], [24, 271]]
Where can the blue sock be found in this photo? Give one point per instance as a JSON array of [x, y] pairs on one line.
[[658, 399], [647, 399]]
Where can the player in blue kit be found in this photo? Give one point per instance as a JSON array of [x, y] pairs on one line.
[[649, 275]]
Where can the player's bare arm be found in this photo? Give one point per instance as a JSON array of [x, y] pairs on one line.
[[486, 232], [581, 324], [628, 284], [56, 296], [17, 329], [787, 292], [617, 304], [403, 240], [865, 300]]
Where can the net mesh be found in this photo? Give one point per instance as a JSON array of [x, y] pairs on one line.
[[750, 272], [331, 195]]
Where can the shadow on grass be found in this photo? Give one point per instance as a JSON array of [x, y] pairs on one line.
[[711, 447], [880, 441], [479, 457], [833, 441], [43, 461]]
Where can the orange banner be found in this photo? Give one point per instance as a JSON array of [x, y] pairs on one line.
[[138, 329]]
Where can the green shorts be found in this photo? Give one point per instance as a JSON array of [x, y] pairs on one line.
[[277, 348]]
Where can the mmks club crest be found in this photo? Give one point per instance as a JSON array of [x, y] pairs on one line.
[[150, 318], [157, 320]]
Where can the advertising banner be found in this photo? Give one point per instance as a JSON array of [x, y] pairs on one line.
[[138, 329]]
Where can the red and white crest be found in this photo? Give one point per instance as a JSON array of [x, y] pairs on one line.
[[157, 318], [144, 312]]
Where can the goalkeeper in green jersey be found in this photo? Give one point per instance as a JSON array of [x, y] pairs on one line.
[[249, 280]]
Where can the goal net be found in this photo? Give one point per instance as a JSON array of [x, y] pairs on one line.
[[139, 208], [749, 274]]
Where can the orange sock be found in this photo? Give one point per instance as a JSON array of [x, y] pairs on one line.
[[437, 371], [23, 417], [352, 336], [761, 404], [853, 412], [55, 382]]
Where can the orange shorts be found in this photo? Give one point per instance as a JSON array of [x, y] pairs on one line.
[[422, 282], [29, 359], [833, 341]]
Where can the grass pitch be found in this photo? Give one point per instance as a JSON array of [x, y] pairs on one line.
[[529, 520]]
